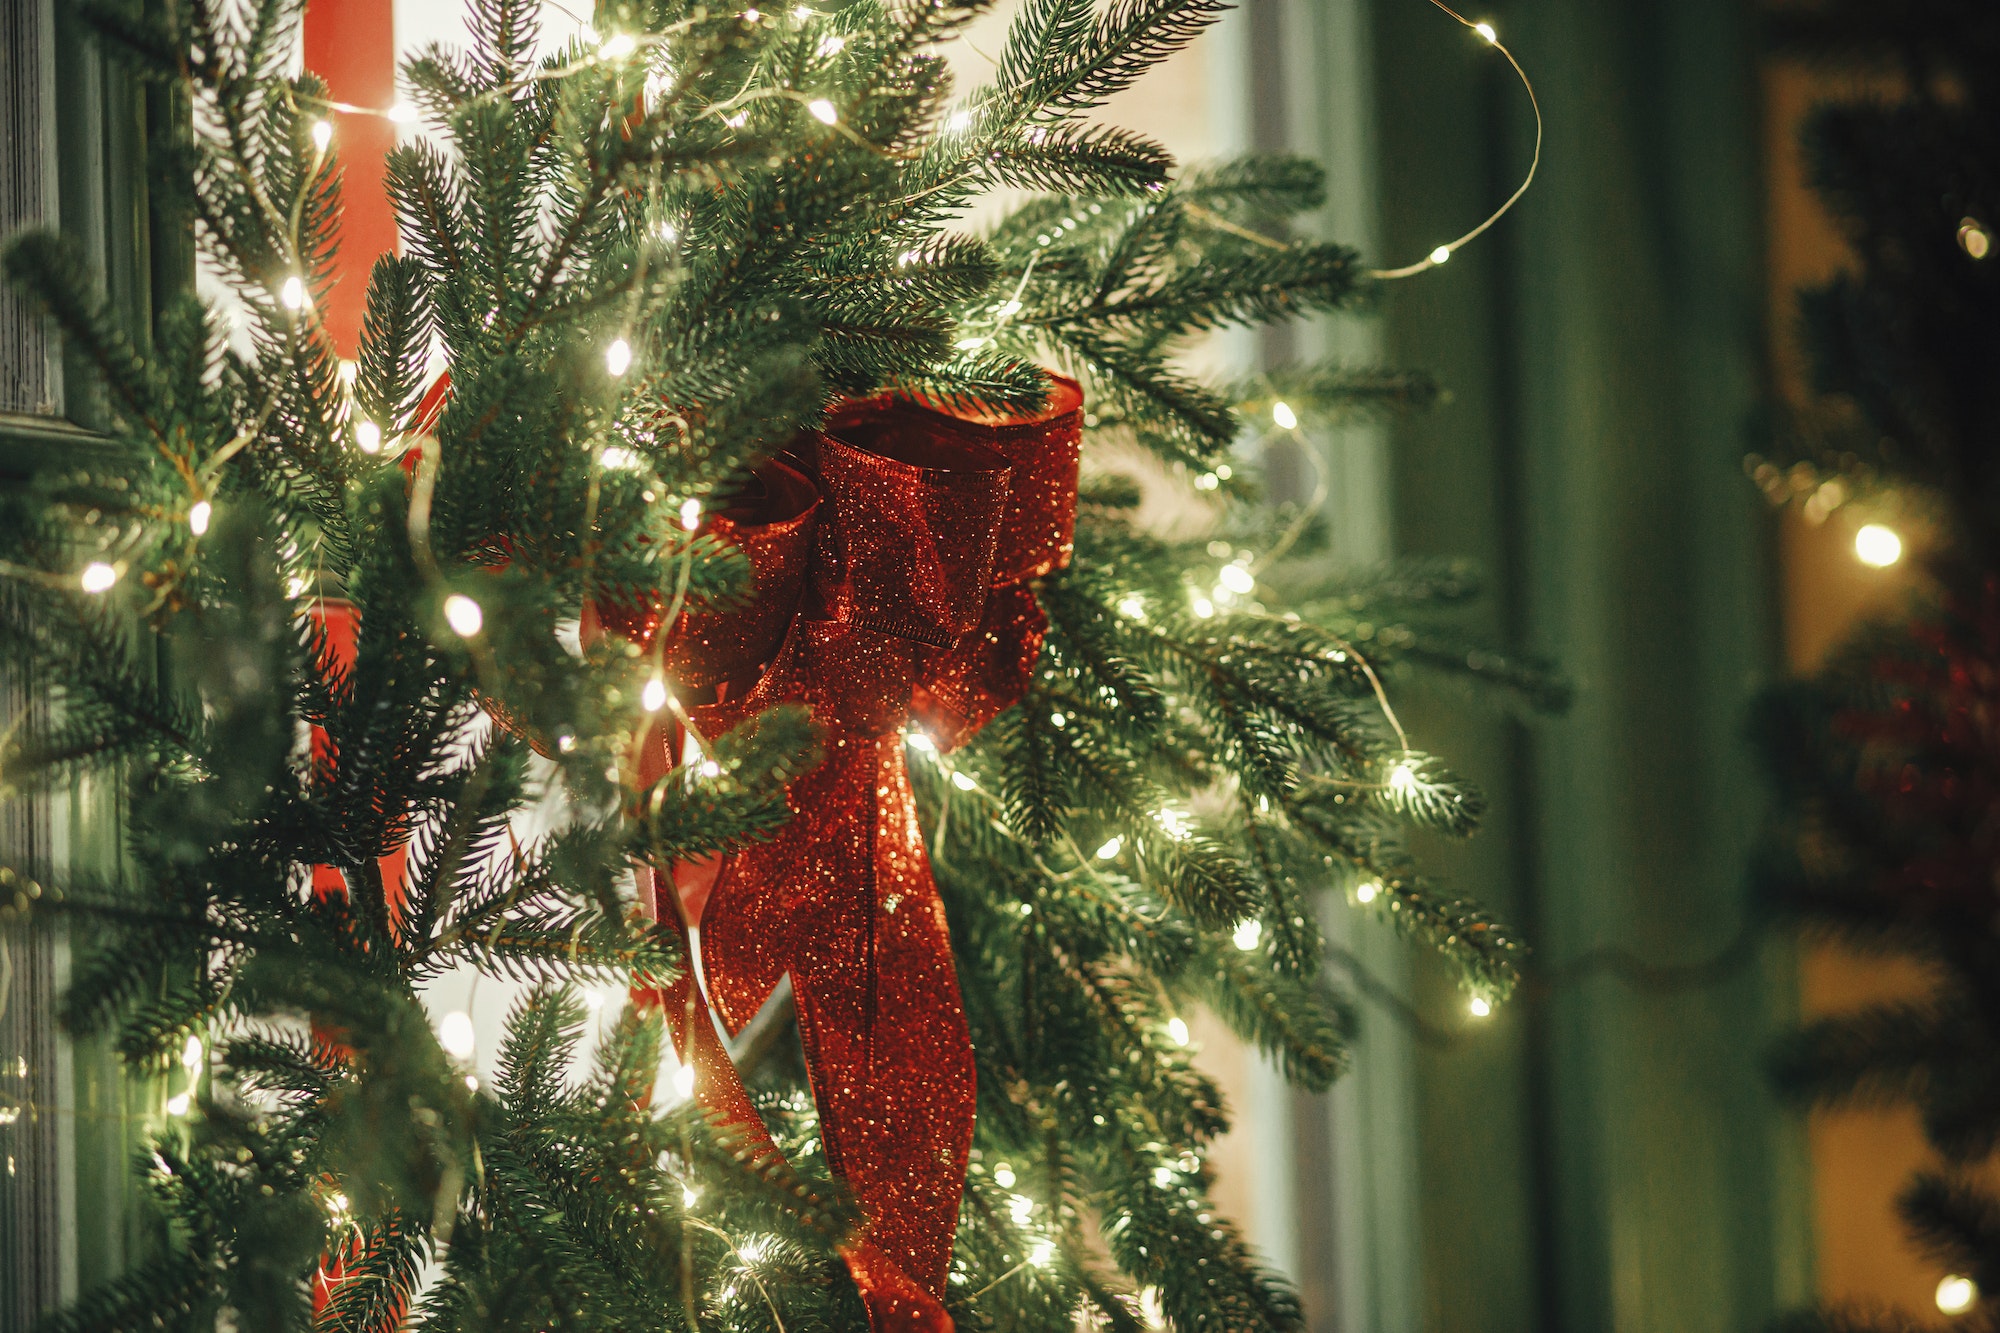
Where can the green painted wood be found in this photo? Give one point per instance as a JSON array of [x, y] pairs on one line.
[[1603, 1156]]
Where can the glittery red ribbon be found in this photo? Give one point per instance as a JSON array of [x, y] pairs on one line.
[[893, 557]]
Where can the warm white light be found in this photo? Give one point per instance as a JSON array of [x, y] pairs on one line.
[[292, 295], [191, 1054], [1439, 255], [97, 577], [1003, 1176], [1174, 822], [337, 1205], [1203, 608], [618, 46], [1974, 239], [1236, 578], [1132, 607], [752, 15], [963, 781], [690, 514], [1479, 1006], [1058, 721], [684, 1080], [1486, 30], [618, 357], [1878, 545], [472, 1083], [1021, 1208], [1248, 934], [1177, 1029], [198, 517], [1043, 1252], [295, 587], [710, 769], [1403, 778], [970, 344], [654, 697], [178, 1104], [688, 1195], [1163, 1176], [830, 46], [456, 1034], [1150, 1308], [1956, 1295], [367, 437], [1365, 891], [463, 615], [920, 742], [1111, 848], [403, 113], [1207, 481], [322, 134], [823, 111], [959, 120], [1281, 412]]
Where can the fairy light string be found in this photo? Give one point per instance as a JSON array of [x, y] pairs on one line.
[[1444, 252]]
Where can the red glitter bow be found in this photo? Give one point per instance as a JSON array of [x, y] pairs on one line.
[[893, 556]]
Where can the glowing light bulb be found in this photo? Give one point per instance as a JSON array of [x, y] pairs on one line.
[[618, 357], [1974, 239], [367, 437], [920, 742], [1163, 1177], [1366, 891], [198, 517], [337, 1205], [1044, 1251], [1207, 481], [618, 46], [1058, 721], [823, 111], [1878, 545], [684, 1080], [1003, 1176], [97, 577], [322, 134], [1021, 1208], [1281, 412], [1486, 30], [1111, 848], [456, 1034], [472, 1083], [1132, 608], [1174, 822], [964, 781], [1479, 1006], [1956, 1295], [1403, 778], [1441, 254], [292, 294], [191, 1054], [710, 769], [1237, 579], [403, 114], [178, 1104], [688, 1195], [1203, 608], [619, 458], [1151, 1309], [654, 697], [829, 46], [1248, 934], [690, 514], [1177, 1030], [463, 615], [960, 120]]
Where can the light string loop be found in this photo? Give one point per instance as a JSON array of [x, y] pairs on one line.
[[1444, 252]]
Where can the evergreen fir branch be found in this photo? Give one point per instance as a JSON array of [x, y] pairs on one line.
[[1080, 159]]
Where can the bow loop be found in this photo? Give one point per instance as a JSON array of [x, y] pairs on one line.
[[914, 527]]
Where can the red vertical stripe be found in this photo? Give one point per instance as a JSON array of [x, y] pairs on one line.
[[352, 45]]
